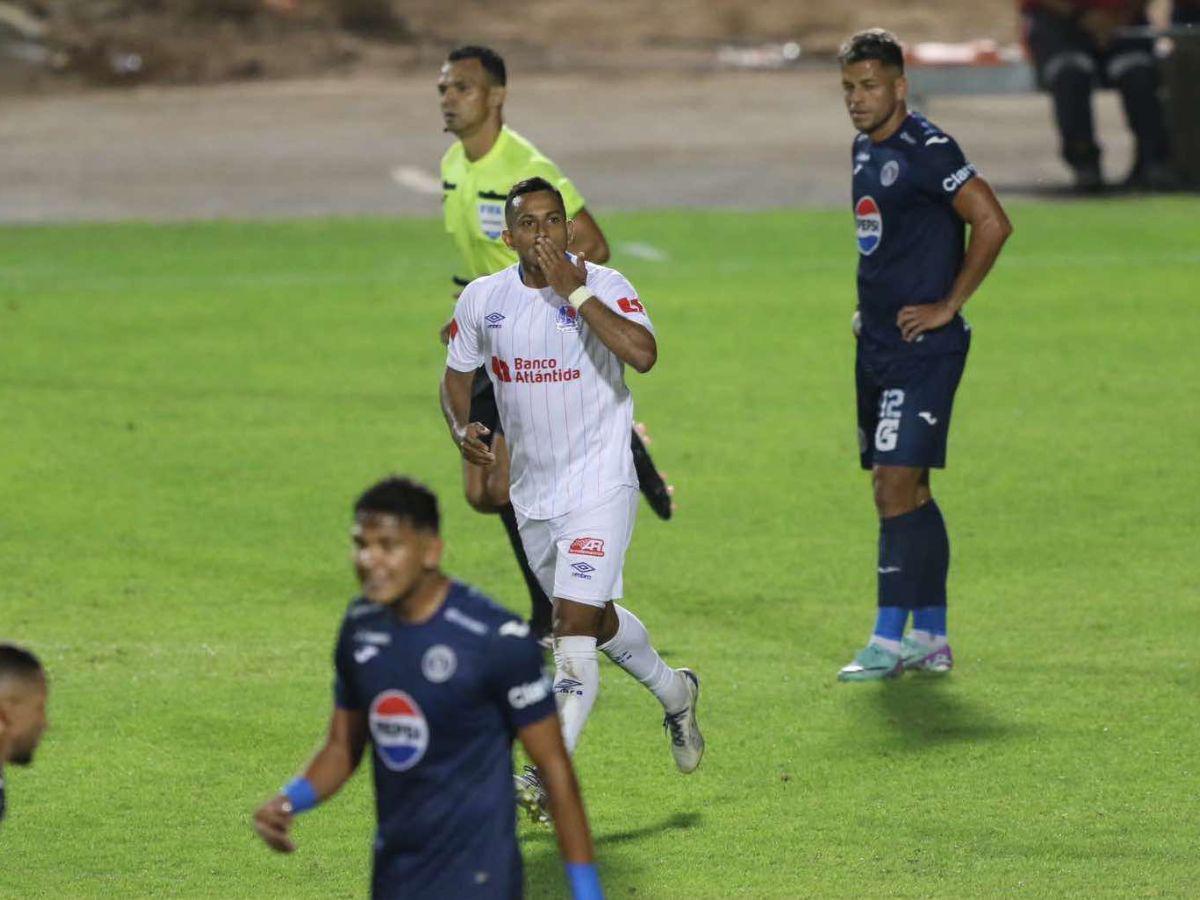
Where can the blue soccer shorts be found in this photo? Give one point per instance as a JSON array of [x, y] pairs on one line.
[[904, 409]]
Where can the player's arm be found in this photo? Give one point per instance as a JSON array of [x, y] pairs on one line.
[[633, 344], [977, 205], [587, 238], [444, 331], [329, 769], [456, 407]]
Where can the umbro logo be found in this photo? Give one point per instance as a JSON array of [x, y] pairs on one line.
[[568, 686], [928, 417], [494, 320]]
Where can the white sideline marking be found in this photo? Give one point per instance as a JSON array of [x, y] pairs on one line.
[[416, 179], [638, 250]]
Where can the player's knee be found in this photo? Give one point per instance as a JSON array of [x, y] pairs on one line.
[[571, 618], [896, 492]]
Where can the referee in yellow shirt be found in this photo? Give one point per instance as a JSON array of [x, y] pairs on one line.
[[477, 171]]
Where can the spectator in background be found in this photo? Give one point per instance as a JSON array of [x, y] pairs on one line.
[[1185, 12], [1078, 45]]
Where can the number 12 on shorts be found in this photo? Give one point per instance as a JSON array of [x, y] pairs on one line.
[[887, 432]]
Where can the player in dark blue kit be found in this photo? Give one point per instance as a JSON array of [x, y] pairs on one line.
[[437, 679], [914, 193]]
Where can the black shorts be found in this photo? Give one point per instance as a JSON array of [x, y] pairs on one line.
[[1055, 42], [904, 409], [483, 404]]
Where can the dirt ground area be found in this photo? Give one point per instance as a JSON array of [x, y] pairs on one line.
[[208, 41], [371, 145]]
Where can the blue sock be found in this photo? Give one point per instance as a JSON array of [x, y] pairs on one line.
[[931, 619], [889, 622]]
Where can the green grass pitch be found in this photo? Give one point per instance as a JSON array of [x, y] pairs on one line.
[[188, 412]]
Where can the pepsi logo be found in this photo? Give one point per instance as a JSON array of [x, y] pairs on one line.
[[398, 730], [869, 225]]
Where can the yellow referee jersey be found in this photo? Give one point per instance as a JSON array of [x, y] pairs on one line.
[[473, 198]]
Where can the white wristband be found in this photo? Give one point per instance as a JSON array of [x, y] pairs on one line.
[[579, 295]]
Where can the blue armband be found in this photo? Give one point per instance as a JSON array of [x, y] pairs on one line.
[[301, 794], [585, 881]]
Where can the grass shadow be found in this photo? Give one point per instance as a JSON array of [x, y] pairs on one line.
[[543, 866], [925, 712]]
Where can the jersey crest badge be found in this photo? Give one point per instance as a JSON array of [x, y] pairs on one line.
[[869, 225], [398, 730], [567, 318], [439, 663], [889, 173]]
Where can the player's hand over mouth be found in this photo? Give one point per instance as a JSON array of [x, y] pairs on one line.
[[914, 321], [561, 273], [272, 821]]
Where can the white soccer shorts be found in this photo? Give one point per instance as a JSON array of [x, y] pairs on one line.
[[579, 555]]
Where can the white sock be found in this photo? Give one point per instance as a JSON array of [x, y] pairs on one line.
[[934, 641], [576, 683], [630, 649], [886, 643]]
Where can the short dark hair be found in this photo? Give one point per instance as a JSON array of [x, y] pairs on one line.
[[492, 62], [403, 498], [530, 186], [874, 43], [17, 662]]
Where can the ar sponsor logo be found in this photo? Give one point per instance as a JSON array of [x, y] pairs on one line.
[[398, 729], [868, 224], [959, 178], [587, 546]]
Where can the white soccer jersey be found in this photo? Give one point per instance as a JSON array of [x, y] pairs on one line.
[[566, 411]]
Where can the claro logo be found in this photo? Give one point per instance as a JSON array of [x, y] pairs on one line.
[[959, 178]]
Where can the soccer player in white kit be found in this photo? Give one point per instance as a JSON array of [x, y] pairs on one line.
[[555, 334]]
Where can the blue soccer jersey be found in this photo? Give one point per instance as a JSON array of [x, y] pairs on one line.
[[443, 700], [910, 239]]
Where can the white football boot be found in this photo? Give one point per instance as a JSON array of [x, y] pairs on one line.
[[687, 743], [531, 795]]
